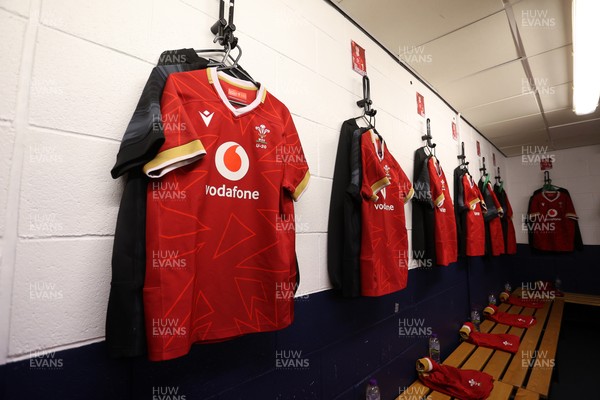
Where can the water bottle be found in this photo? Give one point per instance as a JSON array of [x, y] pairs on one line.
[[475, 319], [558, 284], [434, 348], [492, 299], [507, 287], [373, 390]]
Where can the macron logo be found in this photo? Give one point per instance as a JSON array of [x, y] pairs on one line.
[[206, 117]]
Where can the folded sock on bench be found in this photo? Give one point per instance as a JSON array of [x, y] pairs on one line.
[[465, 384], [505, 297], [520, 321], [499, 341]]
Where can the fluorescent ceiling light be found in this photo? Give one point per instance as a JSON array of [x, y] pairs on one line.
[[586, 58]]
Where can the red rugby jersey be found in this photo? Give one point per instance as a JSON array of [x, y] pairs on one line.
[[553, 217], [474, 217], [220, 230], [384, 242], [446, 247]]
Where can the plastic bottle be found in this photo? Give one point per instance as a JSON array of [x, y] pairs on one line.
[[492, 299], [475, 319], [558, 284], [434, 348], [373, 390], [507, 287]]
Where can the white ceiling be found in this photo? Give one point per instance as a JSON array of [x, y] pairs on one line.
[[481, 55]]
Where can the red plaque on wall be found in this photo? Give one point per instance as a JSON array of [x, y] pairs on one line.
[[359, 59], [420, 104], [454, 131], [478, 149]]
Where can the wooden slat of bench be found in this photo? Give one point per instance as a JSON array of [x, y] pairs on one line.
[[541, 374], [586, 299], [501, 391], [415, 391], [515, 374], [455, 359], [524, 394], [480, 356], [497, 364], [438, 396]]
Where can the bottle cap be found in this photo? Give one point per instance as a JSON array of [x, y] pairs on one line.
[[373, 382]]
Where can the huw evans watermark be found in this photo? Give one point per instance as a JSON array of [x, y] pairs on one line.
[[540, 291], [414, 327], [291, 359], [168, 259], [415, 55], [537, 19], [537, 359], [167, 393], [45, 361], [287, 291], [44, 291], [168, 327], [414, 392], [539, 223], [534, 155]]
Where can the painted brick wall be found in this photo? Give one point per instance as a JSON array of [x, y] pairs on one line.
[[71, 75]]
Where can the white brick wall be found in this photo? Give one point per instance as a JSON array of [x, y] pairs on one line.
[[577, 170], [73, 74]]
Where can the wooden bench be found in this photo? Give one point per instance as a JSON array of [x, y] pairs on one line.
[[525, 375], [585, 299]]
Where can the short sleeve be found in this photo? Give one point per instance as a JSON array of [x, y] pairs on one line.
[[295, 173], [375, 177], [182, 145], [471, 197], [570, 209]]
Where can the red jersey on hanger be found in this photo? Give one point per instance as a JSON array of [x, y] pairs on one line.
[[552, 215], [446, 247], [475, 228], [220, 230], [384, 242]]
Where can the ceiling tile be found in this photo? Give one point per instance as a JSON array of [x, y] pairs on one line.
[[567, 116], [487, 86], [587, 128], [515, 126], [578, 141], [543, 25], [502, 110], [552, 68], [517, 140], [556, 97], [413, 22], [482, 45]]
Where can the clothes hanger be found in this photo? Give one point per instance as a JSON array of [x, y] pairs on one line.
[[428, 137], [463, 163], [365, 103], [548, 186], [223, 30]]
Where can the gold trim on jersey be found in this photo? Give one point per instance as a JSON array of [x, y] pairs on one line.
[[473, 202], [409, 196], [439, 200], [301, 187], [377, 186], [184, 155]]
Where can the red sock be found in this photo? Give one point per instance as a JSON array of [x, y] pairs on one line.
[[465, 384], [499, 341], [520, 321], [505, 297]]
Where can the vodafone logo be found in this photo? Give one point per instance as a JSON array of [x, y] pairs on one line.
[[232, 161], [552, 213]]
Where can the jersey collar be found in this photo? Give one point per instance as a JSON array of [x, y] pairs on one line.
[[215, 77], [375, 139], [551, 200]]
